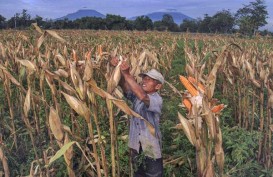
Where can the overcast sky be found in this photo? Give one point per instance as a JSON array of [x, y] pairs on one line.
[[52, 9]]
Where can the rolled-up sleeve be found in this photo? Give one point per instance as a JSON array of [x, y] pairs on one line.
[[130, 96]]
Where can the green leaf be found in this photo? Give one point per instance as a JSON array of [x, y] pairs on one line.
[[61, 152]]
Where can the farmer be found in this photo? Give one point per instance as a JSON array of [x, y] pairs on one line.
[[148, 103]]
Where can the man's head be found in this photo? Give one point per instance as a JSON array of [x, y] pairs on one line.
[[152, 81]]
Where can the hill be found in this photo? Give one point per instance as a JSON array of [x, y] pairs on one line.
[[178, 17], [82, 13]]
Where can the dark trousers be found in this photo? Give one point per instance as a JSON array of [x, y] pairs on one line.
[[144, 166]]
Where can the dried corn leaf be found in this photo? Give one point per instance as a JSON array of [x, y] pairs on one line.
[[55, 124], [173, 88], [55, 35], [3, 50], [69, 152], [31, 66], [250, 69], [49, 80], [141, 58], [220, 157], [1, 153], [4, 163], [190, 71], [209, 119], [77, 81], [27, 103], [271, 127], [19, 47], [114, 78], [188, 129], [41, 40], [61, 73], [10, 77], [88, 70], [61, 59], [67, 87], [37, 28], [211, 80], [209, 170], [78, 106], [153, 58]]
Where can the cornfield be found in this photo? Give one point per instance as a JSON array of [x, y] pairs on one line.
[[61, 105]]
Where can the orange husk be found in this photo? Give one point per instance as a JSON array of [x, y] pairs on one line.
[[218, 108], [187, 103]]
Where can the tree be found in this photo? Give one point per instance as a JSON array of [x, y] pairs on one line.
[[168, 22], [25, 19], [143, 23], [2, 22], [189, 25], [222, 22], [159, 26], [13, 21], [38, 20], [204, 26], [115, 22], [251, 17]]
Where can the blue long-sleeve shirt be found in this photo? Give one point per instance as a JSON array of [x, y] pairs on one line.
[[139, 132]]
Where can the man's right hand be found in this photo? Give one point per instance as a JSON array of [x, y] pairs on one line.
[[124, 67], [114, 61]]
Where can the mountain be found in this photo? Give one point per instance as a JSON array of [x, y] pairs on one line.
[[178, 17], [82, 13]]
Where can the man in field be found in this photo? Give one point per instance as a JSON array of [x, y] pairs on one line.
[[145, 149]]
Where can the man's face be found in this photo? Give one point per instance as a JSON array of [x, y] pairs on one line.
[[150, 85]]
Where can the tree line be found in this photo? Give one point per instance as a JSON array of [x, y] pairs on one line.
[[247, 20]]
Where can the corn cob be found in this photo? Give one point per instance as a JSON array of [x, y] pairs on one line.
[[187, 103], [218, 108], [188, 86], [194, 82]]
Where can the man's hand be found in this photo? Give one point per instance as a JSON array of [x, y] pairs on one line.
[[124, 67], [114, 61]]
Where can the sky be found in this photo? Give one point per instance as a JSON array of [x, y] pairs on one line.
[[52, 9]]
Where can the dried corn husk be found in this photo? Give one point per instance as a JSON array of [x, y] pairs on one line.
[[4, 163], [55, 125], [114, 78], [188, 129]]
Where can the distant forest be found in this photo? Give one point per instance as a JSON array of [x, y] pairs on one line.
[[247, 21]]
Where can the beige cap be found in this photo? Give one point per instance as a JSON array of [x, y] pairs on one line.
[[154, 74]]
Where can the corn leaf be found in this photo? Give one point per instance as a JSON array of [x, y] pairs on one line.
[[61, 152]]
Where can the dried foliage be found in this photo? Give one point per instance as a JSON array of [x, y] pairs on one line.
[[60, 86], [60, 91]]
